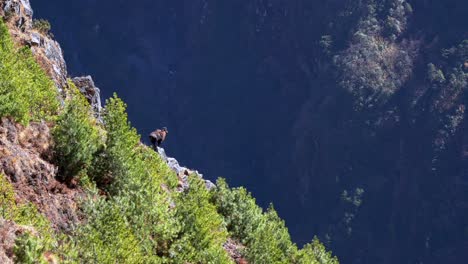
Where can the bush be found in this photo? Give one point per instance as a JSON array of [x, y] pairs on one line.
[[203, 232], [265, 235], [42, 26], [107, 237], [135, 175], [241, 213], [116, 163], [26, 92], [315, 253], [76, 136], [7, 198], [270, 241], [29, 249]]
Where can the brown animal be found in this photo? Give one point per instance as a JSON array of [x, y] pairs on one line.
[[158, 136]]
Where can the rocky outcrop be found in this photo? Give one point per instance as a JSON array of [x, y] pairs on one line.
[[86, 86], [182, 172], [24, 159], [19, 17]]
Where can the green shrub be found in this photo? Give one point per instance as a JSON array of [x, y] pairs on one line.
[[134, 176], [116, 161], [41, 25], [241, 213], [315, 253], [265, 235], [203, 231], [26, 92], [270, 242], [29, 249], [7, 198], [76, 136], [107, 237]]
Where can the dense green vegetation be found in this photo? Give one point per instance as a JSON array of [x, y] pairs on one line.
[[76, 136], [263, 233], [26, 92], [133, 212]]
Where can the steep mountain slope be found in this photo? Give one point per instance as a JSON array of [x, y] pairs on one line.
[[353, 110], [78, 186]]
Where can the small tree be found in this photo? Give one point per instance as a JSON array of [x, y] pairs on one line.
[[203, 231], [42, 26], [76, 137]]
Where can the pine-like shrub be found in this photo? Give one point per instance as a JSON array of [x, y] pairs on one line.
[[106, 237], [315, 253], [241, 213], [26, 92], [134, 175], [203, 231], [264, 234], [29, 249], [76, 136]]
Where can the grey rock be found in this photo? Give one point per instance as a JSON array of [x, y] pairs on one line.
[[54, 55], [53, 50], [182, 172], [11, 7], [162, 153], [27, 8], [174, 165], [209, 185], [36, 39], [91, 92]]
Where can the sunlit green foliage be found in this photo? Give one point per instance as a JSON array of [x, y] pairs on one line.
[[107, 236], [26, 93], [29, 249], [76, 135], [241, 213], [265, 235], [7, 199], [315, 253], [271, 242], [138, 180], [203, 231]]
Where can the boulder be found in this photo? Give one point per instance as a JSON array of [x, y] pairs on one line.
[[36, 39], [91, 92]]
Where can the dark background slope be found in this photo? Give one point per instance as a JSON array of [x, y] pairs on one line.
[[250, 92]]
